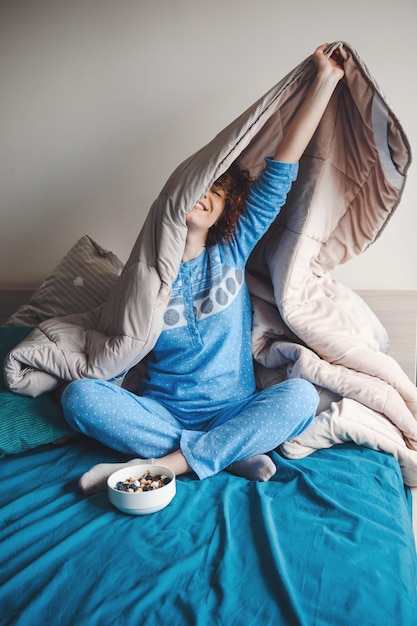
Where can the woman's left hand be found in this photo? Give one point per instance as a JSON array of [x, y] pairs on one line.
[[330, 62]]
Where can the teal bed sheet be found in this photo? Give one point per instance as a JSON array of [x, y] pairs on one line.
[[327, 541]]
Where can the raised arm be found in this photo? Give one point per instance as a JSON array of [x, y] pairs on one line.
[[303, 125]]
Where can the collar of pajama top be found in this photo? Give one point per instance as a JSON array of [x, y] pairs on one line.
[[202, 360]]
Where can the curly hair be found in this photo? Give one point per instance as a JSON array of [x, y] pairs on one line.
[[235, 182]]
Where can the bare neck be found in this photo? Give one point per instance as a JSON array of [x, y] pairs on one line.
[[194, 245]]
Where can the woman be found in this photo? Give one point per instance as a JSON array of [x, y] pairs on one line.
[[198, 409]]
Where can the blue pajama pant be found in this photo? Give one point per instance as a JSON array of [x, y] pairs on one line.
[[145, 428]]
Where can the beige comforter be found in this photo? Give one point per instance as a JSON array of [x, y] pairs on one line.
[[305, 324]]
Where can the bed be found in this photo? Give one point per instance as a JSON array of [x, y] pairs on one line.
[[329, 540]]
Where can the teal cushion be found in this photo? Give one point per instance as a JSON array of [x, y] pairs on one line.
[[26, 423]]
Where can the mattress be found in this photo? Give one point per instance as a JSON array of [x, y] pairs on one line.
[[327, 541]]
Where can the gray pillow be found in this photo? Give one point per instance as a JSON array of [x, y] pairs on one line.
[[81, 281]]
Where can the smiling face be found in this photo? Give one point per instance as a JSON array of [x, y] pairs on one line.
[[215, 215], [208, 209]]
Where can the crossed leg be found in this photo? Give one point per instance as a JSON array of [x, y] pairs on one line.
[[235, 442]]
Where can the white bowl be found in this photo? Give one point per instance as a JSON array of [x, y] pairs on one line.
[[141, 502]]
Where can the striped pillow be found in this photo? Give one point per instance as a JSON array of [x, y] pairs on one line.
[[81, 281]]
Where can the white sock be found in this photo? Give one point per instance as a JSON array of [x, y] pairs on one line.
[[95, 479], [259, 467]]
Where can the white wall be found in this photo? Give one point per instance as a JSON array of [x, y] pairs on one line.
[[101, 99]]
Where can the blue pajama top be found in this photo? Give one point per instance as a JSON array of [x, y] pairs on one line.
[[202, 362]]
